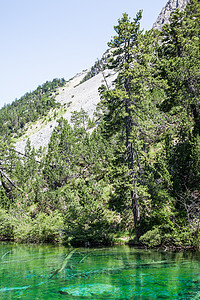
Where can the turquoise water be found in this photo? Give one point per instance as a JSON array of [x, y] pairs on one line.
[[48, 272]]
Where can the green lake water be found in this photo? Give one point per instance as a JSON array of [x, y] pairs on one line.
[[48, 272]]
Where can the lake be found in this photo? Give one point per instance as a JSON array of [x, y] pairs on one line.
[[50, 272]]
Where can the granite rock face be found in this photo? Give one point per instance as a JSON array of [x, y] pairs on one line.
[[164, 16]]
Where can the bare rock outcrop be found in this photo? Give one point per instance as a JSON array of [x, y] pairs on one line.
[[164, 16], [73, 96]]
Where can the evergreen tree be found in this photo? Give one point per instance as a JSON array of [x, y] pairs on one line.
[[120, 103], [180, 68]]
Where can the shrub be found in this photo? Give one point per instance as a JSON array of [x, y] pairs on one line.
[[6, 229], [41, 229], [151, 238]]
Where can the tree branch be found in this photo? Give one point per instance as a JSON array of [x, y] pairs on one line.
[[10, 181]]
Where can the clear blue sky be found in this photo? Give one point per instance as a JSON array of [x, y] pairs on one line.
[[46, 39]]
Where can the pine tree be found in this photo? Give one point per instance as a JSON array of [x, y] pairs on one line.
[[180, 68], [120, 103]]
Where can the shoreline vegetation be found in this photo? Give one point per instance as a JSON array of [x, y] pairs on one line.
[[130, 173], [114, 243]]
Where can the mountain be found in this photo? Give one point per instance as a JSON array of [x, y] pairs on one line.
[[76, 94], [164, 15], [128, 173], [82, 92]]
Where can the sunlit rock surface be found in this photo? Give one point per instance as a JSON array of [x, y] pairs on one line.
[[73, 96], [164, 16]]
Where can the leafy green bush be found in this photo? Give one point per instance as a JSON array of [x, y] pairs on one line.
[[6, 229], [186, 237], [4, 200], [151, 238], [41, 229]]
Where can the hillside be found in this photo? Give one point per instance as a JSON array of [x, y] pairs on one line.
[[15, 117], [38, 125], [130, 174], [73, 96]]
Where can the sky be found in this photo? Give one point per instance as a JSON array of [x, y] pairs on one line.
[[46, 39]]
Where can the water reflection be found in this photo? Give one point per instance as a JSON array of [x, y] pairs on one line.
[[48, 272]]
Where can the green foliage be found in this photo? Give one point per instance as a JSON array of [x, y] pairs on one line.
[[151, 238], [29, 108], [88, 219], [42, 229], [98, 67], [186, 237], [137, 171], [4, 200], [6, 228], [79, 119]]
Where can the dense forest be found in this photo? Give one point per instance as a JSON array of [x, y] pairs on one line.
[[29, 108], [133, 177]]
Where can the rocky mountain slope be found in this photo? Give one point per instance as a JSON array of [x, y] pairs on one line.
[[164, 15], [72, 97], [77, 94]]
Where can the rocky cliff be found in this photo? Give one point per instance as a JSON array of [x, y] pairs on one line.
[[164, 16]]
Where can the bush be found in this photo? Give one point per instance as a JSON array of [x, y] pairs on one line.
[[42, 229], [187, 238], [151, 238], [6, 229], [4, 200]]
